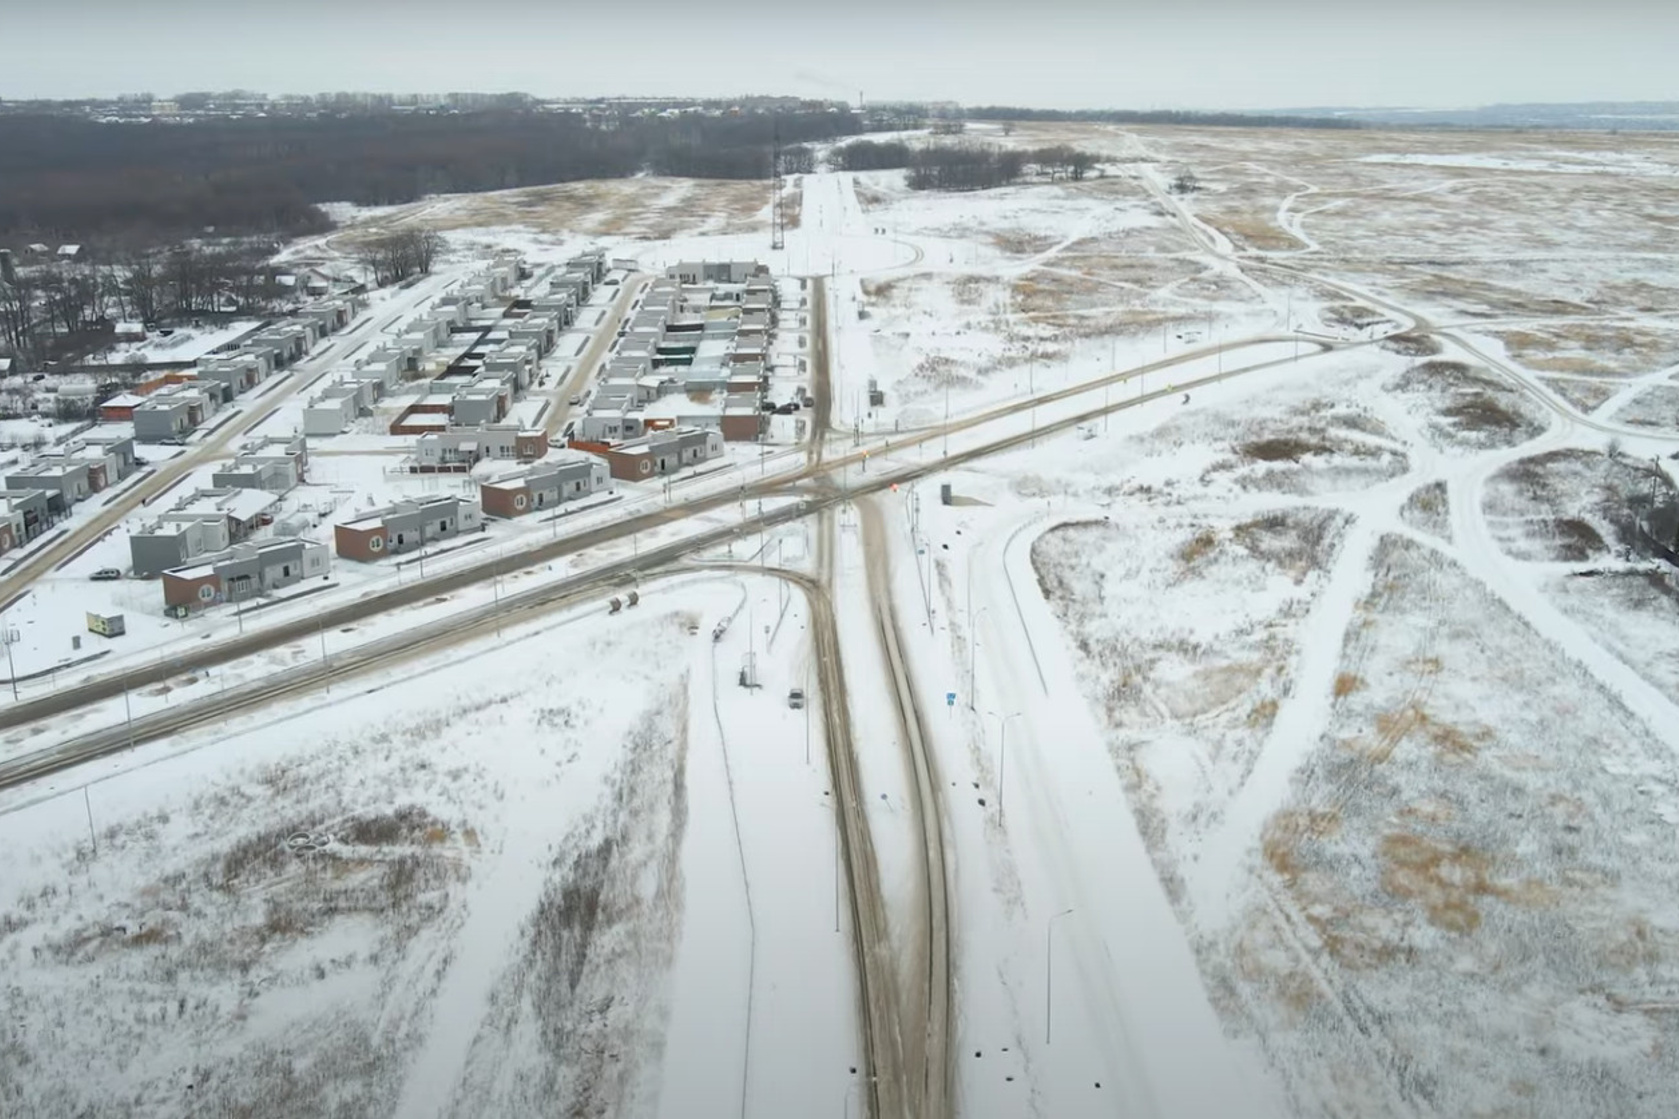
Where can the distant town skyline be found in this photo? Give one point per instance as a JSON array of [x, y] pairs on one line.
[[1196, 54]]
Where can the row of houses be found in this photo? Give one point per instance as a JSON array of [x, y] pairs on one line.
[[473, 307], [242, 498], [42, 493], [694, 355], [175, 405], [480, 386]]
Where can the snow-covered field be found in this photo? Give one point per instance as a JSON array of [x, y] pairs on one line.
[[468, 896], [1302, 743]]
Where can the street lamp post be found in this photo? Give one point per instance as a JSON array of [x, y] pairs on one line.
[[973, 646], [11, 637], [1049, 973], [1002, 752]]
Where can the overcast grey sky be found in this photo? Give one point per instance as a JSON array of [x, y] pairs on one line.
[[1202, 54]]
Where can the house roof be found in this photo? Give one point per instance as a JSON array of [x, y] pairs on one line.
[[240, 505]]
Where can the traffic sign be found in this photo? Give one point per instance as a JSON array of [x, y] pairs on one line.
[[950, 699]]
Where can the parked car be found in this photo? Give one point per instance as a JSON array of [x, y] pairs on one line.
[[106, 575], [796, 698], [575, 401]]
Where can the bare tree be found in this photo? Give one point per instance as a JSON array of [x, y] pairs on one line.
[[395, 256], [17, 314], [142, 287]]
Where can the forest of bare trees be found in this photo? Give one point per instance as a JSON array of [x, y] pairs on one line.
[[964, 166], [871, 155], [123, 185], [982, 167], [44, 310]]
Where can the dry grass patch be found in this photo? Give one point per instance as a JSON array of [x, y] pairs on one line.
[[1395, 726], [1584, 396], [1598, 349], [1656, 407], [1019, 242], [1356, 316], [1283, 448], [1286, 830], [1346, 683], [1473, 407], [1450, 880], [1248, 230], [1410, 345], [870, 198], [1198, 547], [1428, 509], [1296, 542]]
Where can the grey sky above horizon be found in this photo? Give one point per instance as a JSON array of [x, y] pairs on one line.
[[1192, 54]]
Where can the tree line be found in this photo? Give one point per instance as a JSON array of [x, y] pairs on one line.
[[50, 310], [964, 166], [1159, 116], [396, 256], [122, 185]]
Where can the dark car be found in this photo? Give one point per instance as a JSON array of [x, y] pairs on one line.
[[106, 575]]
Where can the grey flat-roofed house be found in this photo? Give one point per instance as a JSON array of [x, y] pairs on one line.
[[33, 508], [169, 543], [63, 483], [479, 404], [407, 526], [543, 486], [274, 473], [115, 447], [167, 417], [592, 264], [244, 571]]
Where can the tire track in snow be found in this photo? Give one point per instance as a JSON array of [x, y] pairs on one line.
[[1300, 721]]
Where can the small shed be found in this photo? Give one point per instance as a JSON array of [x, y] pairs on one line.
[[106, 625]]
